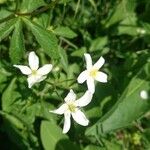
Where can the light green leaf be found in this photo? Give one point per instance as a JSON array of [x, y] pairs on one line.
[[17, 47], [46, 39], [98, 43], [65, 32], [129, 108], [30, 5], [79, 52], [93, 147], [6, 28], [9, 96], [53, 138]]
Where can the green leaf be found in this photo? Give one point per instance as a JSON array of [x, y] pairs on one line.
[[65, 32], [124, 9], [9, 96], [17, 47], [6, 28], [129, 108], [46, 39], [79, 52], [98, 43], [30, 5], [63, 59], [93, 147], [53, 138], [13, 120]]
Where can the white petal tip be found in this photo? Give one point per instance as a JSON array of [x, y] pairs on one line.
[[64, 132], [86, 123], [85, 54], [51, 111]]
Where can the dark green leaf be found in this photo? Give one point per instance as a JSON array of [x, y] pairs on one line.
[[9, 96], [17, 47], [6, 28], [46, 39]]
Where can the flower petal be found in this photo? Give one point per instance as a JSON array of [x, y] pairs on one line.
[[33, 61], [91, 85], [99, 63], [101, 77], [82, 77], [80, 118], [71, 96], [45, 69], [88, 60], [31, 80], [85, 99], [34, 79], [60, 110], [40, 78], [67, 122], [24, 69]]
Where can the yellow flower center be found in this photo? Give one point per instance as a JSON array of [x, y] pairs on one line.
[[71, 107], [34, 72], [93, 73]]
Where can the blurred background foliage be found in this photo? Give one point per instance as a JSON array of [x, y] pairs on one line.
[[60, 32]]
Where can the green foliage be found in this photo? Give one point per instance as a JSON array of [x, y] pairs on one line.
[[6, 28], [60, 32], [53, 138], [17, 48], [49, 45], [65, 32], [129, 107]]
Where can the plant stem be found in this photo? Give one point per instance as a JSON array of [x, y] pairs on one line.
[[33, 13]]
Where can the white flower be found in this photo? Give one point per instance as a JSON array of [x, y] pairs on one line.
[[71, 107], [92, 73], [35, 74]]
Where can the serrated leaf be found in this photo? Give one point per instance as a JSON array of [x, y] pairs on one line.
[[53, 138], [9, 96], [46, 39], [129, 108], [17, 47], [30, 5], [6, 28], [65, 32]]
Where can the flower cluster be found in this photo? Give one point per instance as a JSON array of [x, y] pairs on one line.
[[72, 106]]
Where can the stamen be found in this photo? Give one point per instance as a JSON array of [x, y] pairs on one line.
[[93, 73], [34, 72], [71, 107]]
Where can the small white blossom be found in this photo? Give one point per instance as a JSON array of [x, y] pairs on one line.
[[144, 94], [92, 73], [71, 107], [34, 73]]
